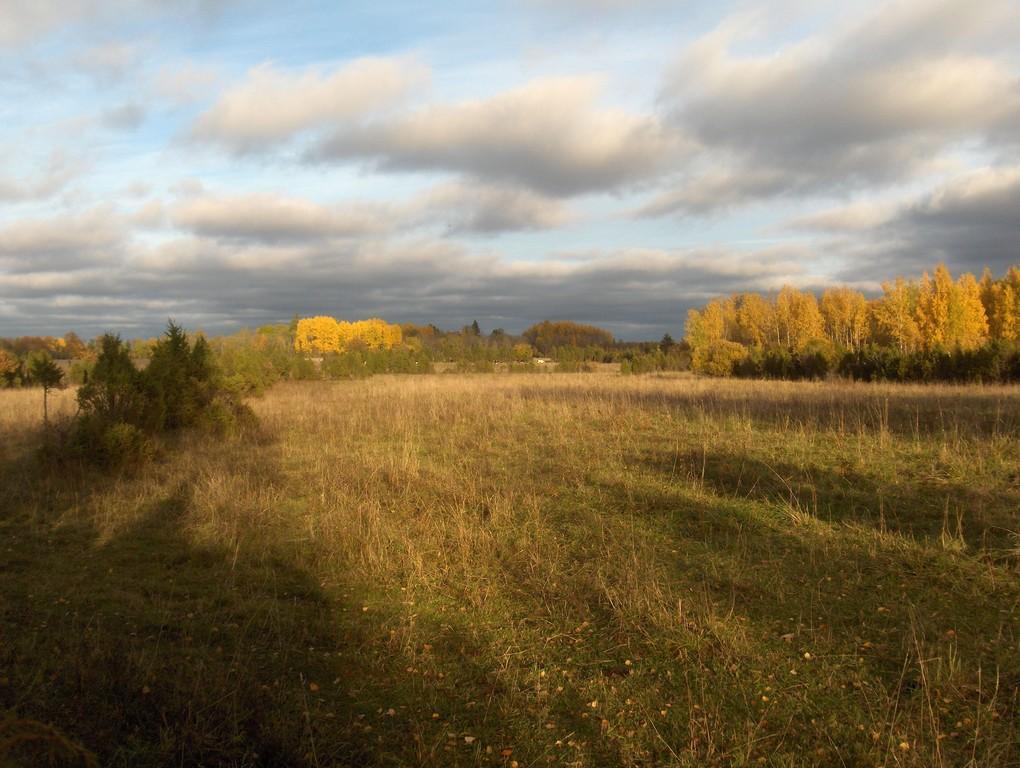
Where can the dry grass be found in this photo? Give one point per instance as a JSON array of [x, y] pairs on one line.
[[582, 569]]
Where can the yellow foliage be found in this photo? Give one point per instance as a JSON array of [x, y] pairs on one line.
[[1001, 299], [935, 312], [968, 323], [8, 363], [317, 335], [321, 335], [951, 314], [845, 312], [756, 320], [799, 319], [717, 358], [523, 352], [895, 314]]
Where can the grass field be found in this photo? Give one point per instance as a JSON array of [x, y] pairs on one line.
[[585, 570]]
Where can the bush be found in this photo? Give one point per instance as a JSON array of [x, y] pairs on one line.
[[718, 358], [995, 362], [112, 445], [361, 363], [121, 408], [114, 389], [227, 417], [346, 365], [80, 371], [178, 382]]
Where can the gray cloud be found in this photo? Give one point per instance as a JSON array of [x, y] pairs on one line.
[[716, 188], [968, 223], [550, 136], [269, 219], [450, 208], [62, 243], [126, 117], [873, 102], [215, 284], [470, 207]]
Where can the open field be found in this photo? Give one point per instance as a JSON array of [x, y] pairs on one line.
[[584, 570]]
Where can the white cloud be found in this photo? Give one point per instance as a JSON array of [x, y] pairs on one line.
[[22, 21], [549, 135], [871, 102], [110, 61], [185, 82], [40, 183], [272, 105]]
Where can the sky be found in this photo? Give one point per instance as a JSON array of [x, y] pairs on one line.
[[231, 163]]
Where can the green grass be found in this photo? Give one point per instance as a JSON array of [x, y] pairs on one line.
[[552, 570]]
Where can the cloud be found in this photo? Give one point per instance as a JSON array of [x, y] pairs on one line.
[[451, 208], [550, 136], [61, 243], [970, 222], [216, 283], [185, 82], [719, 187], [126, 117], [466, 207], [269, 219], [40, 184], [871, 102], [24, 21], [109, 62], [855, 217], [271, 105]]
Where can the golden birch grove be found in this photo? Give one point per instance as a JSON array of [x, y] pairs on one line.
[[324, 335], [936, 312]]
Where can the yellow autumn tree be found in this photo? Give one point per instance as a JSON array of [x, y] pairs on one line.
[[798, 318], [934, 296], [1001, 300], [705, 327], [951, 314], [968, 324], [756, 320], [323, 335], [845, 312], [376, 334], [317, 335], [523, 352], [8, 366], [895, 315]]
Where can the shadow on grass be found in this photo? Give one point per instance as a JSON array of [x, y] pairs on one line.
[[972, 413], [149, 648], [927, 508], [810, 580]]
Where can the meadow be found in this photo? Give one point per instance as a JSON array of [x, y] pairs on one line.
[[526, 570]]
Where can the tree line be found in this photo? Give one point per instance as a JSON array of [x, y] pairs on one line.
[[932, 328]]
